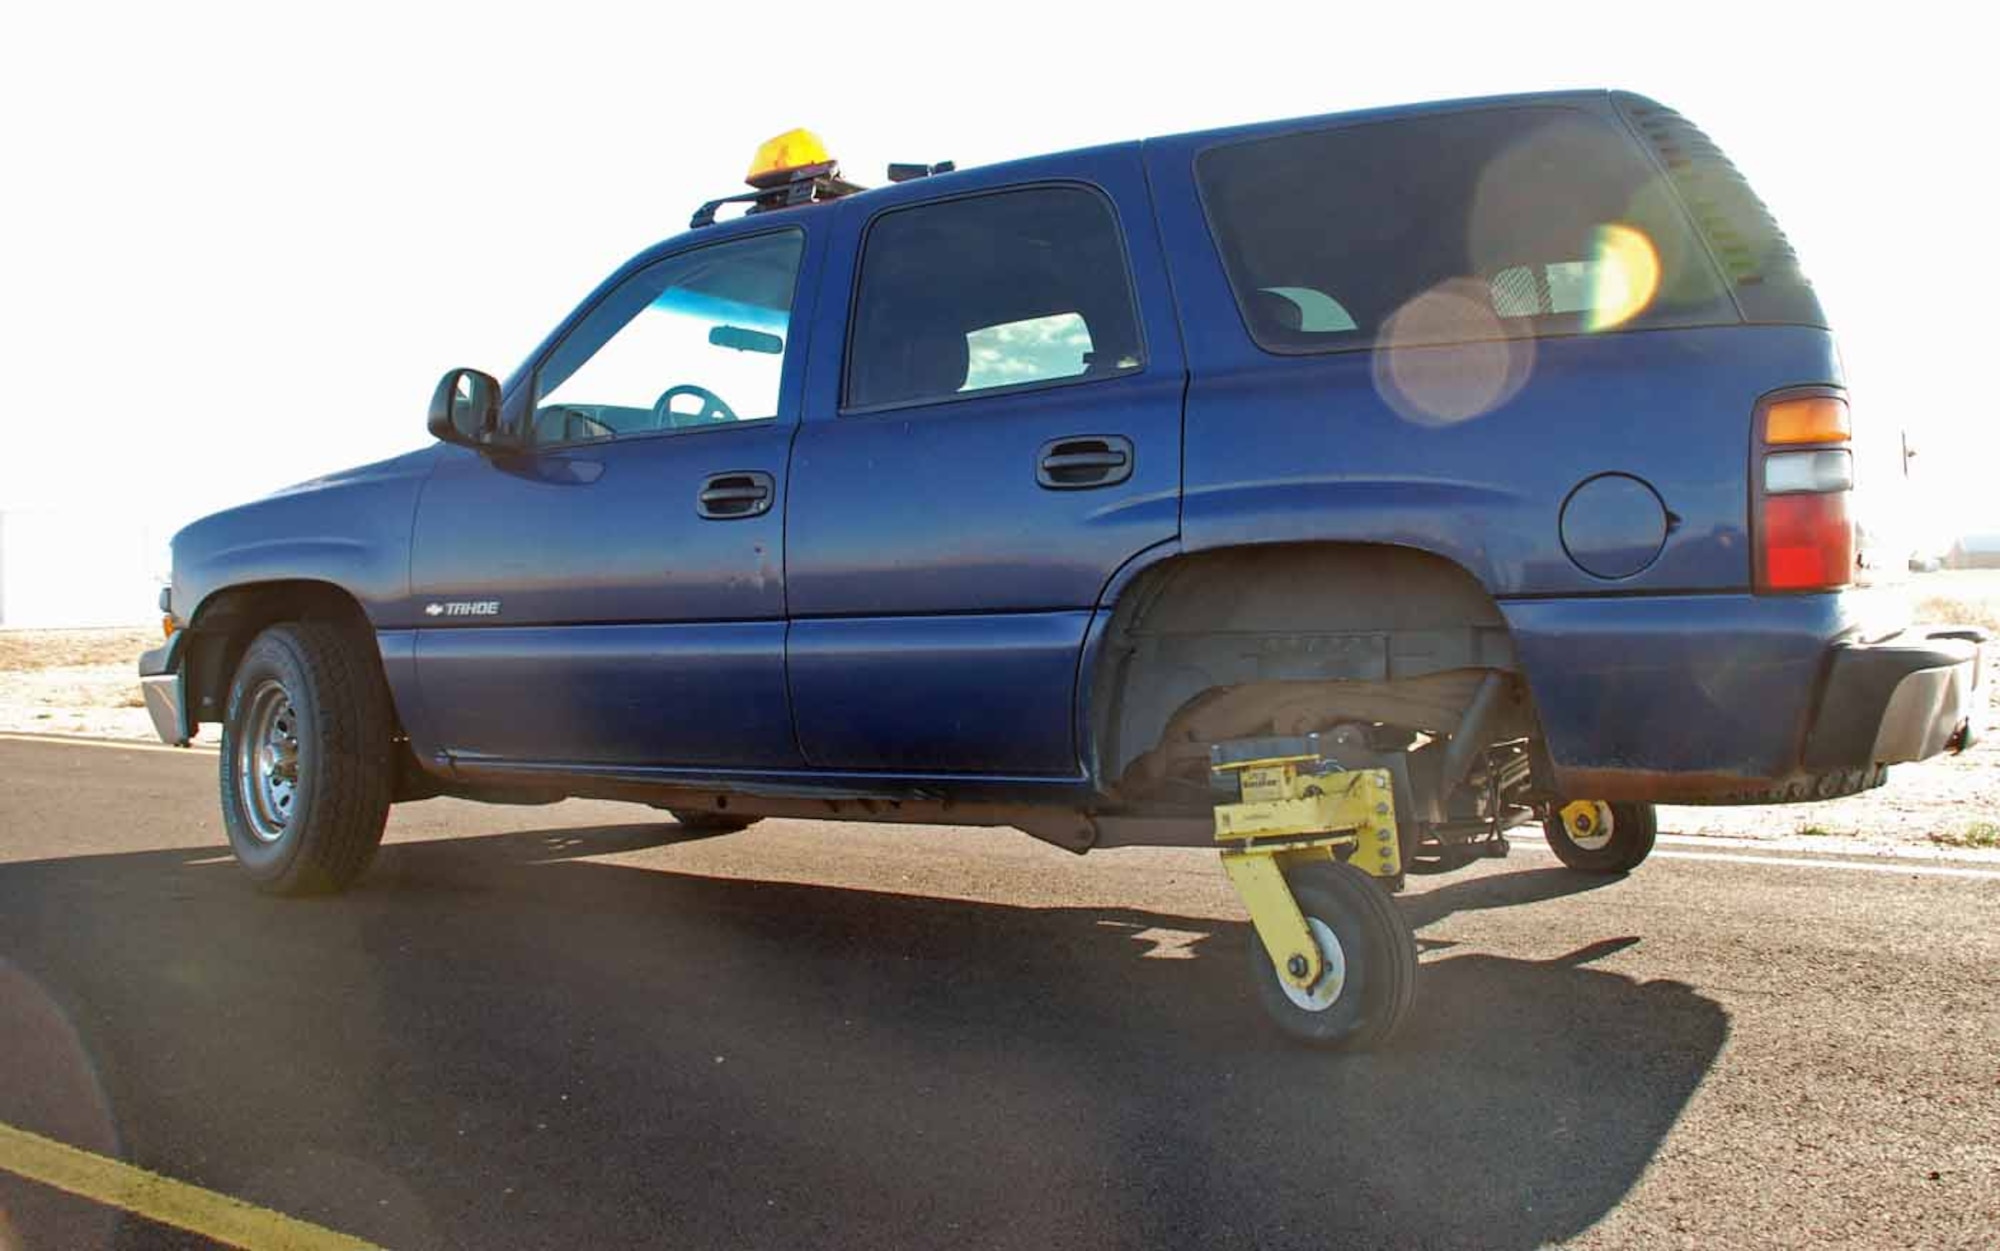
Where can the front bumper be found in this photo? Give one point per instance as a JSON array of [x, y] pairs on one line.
[[1906, 698], [163, 680]]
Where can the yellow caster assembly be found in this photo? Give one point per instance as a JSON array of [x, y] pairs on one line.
[[1309, 846]]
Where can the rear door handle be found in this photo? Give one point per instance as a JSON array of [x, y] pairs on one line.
[[1084, 460], [741, 493]]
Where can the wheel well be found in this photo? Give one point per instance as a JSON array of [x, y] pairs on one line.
[[1281, 638], [226, 622]]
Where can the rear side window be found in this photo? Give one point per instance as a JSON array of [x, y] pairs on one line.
[[1459, 227], [1015, 288]]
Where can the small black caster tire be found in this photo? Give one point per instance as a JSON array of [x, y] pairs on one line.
[[307, 761], [697, 821], [1592, 836], [1370, 981]]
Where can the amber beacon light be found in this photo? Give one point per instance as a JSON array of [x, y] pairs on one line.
[[785, 157]]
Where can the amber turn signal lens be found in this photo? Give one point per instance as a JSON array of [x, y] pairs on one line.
[[168, 625], [1811, 419]]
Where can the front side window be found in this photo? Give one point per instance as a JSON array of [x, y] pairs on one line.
[[1011, 289], [1489, 224], [697, 340]]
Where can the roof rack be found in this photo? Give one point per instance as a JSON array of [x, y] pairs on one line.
[[808, 184], [907, 171], [793, 169]]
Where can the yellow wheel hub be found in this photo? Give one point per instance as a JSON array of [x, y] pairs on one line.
[[1588, 823]]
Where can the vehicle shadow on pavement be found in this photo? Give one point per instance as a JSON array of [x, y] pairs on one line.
[[496, 1042], [1505, 890]]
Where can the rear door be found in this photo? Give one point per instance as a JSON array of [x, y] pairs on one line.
[[615, 593], [1000, 435]]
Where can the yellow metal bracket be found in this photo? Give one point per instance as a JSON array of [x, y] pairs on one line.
[[1259, 877], [1289, 816]]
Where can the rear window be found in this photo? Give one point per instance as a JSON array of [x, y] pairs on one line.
[[1453, 228]]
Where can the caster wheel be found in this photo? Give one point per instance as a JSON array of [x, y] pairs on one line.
[[695, 821], [1592, 836], [1369, 981]]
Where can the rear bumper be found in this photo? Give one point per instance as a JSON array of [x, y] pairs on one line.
[[1738, 699], [163, 680], [1907, 698]]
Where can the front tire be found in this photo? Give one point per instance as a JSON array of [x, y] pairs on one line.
[[307, 764], [1370, 982], [1592, 836]]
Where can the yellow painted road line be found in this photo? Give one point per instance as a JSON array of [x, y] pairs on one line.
[[162, 1199], [65, 740]]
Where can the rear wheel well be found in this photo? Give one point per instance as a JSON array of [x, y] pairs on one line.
[[1284, 638]]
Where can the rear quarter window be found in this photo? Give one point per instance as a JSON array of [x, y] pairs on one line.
[[1451, 228]]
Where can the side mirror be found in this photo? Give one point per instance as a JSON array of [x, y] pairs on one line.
[[465, 409]]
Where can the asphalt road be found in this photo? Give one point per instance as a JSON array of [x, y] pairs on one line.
[[567, 1026]]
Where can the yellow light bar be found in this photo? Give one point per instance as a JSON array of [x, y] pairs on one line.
[[777, 158], [1814, 419]]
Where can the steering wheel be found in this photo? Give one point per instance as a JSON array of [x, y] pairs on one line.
[[713, 410]]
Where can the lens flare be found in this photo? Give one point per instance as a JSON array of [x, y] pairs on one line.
[[50, 1086], [1444, 357], [1625, 276]]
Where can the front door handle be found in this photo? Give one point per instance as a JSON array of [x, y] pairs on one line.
[[729, 496], [1084, 460]]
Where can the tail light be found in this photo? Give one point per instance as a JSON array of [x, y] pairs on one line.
[[1802, 480]]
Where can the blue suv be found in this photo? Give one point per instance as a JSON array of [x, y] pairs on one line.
[[1499, 445]]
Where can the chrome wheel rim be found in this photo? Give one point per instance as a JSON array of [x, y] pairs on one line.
[[268, 768], [1588, 824], [1325, 992]]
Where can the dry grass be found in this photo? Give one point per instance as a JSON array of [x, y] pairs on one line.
[[74, 682], [1978, 834], [29, 651], [1958, 597]]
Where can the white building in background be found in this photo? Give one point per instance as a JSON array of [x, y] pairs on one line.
[[84, 566]]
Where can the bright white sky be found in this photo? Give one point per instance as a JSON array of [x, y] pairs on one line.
[[241, 242]]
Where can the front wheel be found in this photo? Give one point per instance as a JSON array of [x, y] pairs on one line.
[[1592, 836], [1369, 955], [306, 764]]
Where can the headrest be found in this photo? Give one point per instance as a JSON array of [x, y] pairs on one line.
[[1276, 311]]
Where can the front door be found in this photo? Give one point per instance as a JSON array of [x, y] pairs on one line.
[[1001, 435], [615, 593]]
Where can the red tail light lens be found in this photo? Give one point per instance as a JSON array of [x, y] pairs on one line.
[[1808, 542], [1801, 484]]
